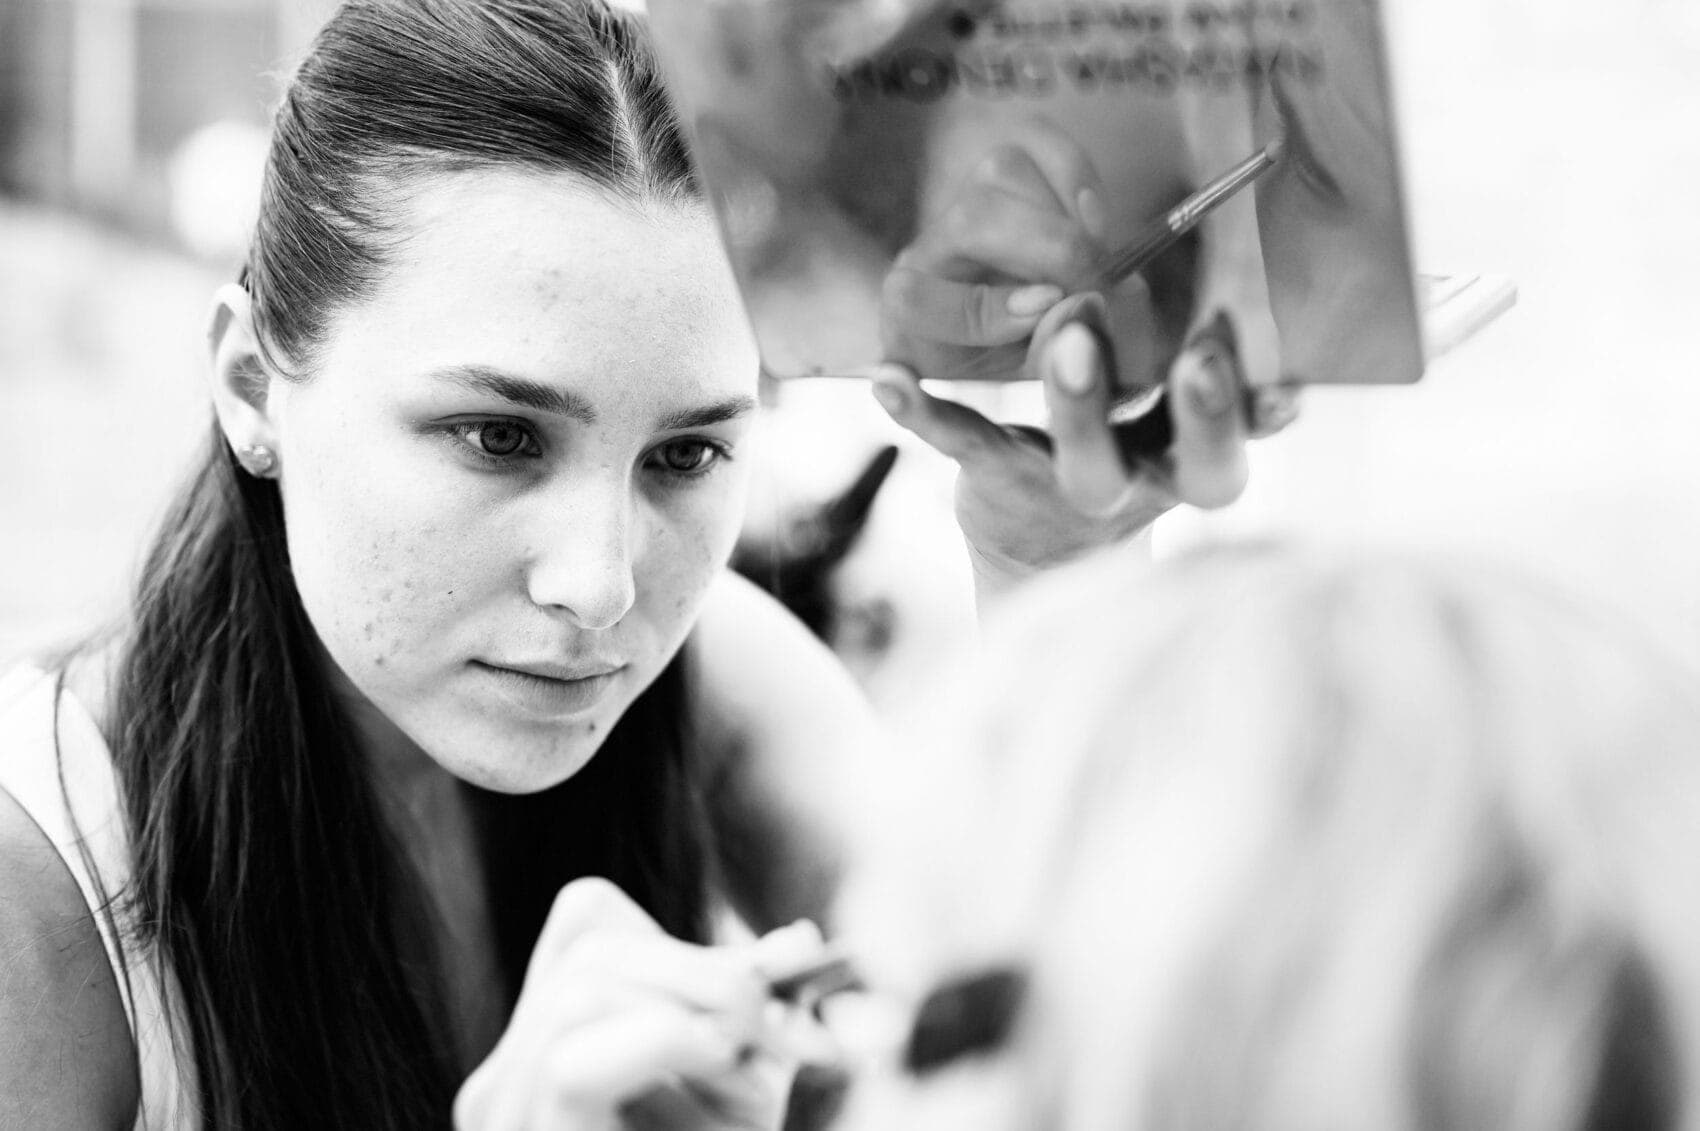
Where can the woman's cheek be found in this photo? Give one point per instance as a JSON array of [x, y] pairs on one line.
[[695, 541], [404, 592], [382, 571]]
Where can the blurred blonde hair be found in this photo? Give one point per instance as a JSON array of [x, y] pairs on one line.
[[1293, 842]]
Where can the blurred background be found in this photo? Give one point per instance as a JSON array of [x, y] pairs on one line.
[[132, 135], [1543, 140]]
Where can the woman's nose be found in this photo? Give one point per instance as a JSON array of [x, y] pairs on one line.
[[584, 566]]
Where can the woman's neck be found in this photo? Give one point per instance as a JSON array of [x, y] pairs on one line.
[[417, 794], [432, 819]]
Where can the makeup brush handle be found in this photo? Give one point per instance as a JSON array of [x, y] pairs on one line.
[[1157, 238], [832, 975]]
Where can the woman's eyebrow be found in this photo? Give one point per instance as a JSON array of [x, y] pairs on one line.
[[519, 391], [705, 415]]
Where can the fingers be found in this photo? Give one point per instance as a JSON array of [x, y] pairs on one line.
[[592, 1069], [953, 429], [603, 970], [1272, 408], [1208, 457], [590, 904], [1068, 172], [1019, 213], [1045, 166], [1136, 335], [788, 1030], [1094, 473], [1026, 223], [918, 303], [988, 231], [607, 971], [788, 950], [1089, 468], [600, 952], [618, 1009]]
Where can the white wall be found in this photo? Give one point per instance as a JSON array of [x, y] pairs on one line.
[[1553, 141]]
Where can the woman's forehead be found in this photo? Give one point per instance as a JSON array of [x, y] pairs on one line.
[[544, 273], [553, 241]]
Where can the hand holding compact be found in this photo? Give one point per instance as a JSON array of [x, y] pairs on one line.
[[620, 1026], [987, 291], [1028, 499]]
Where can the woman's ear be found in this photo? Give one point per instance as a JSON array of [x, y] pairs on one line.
[[241, 384]]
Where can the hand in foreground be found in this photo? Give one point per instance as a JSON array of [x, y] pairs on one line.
[[620, 1026], [1027, 500]]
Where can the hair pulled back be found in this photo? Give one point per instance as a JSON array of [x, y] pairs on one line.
[[397, 90], [266, 875]]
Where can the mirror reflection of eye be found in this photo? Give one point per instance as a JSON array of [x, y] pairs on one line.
[[967, 1016]]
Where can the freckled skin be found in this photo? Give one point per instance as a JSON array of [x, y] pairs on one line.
[[413, 557]]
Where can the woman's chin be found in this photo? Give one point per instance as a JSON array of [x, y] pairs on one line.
[[518, 771]]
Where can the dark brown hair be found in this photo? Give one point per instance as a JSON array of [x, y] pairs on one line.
[[264, 869]]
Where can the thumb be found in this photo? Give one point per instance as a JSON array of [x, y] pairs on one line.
[[1208, 405]]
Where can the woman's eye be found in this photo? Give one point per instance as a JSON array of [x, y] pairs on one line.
[[496, 441], [688, 457], [500, 439]]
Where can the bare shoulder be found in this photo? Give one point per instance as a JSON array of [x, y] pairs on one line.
[[786, 723], [760, 673], [66, 1056]]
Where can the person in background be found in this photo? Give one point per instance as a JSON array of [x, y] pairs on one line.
[[1275, 839]]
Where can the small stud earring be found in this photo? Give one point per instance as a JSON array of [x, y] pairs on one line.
[[257, 460]]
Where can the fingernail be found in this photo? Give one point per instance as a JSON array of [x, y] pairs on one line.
[[891, 396], [1070, 360], [1090, 206], [802, 929], [1026, 302], [1213, 387], [1276, 407]]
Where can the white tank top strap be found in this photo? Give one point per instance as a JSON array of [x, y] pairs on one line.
[[54, 762]]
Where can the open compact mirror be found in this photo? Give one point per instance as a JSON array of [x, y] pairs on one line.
[[911, 179]]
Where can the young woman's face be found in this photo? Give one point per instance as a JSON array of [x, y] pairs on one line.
[[515, 468]]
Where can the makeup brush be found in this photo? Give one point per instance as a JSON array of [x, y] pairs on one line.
[[1161, 234], [833, 974]]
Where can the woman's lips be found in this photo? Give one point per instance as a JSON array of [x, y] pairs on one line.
[[550, 690]]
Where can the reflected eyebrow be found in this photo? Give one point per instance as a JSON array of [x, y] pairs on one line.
[[702, 417], [519, 391]]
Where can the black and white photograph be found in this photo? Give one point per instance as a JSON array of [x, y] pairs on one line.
[[849, 565]]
